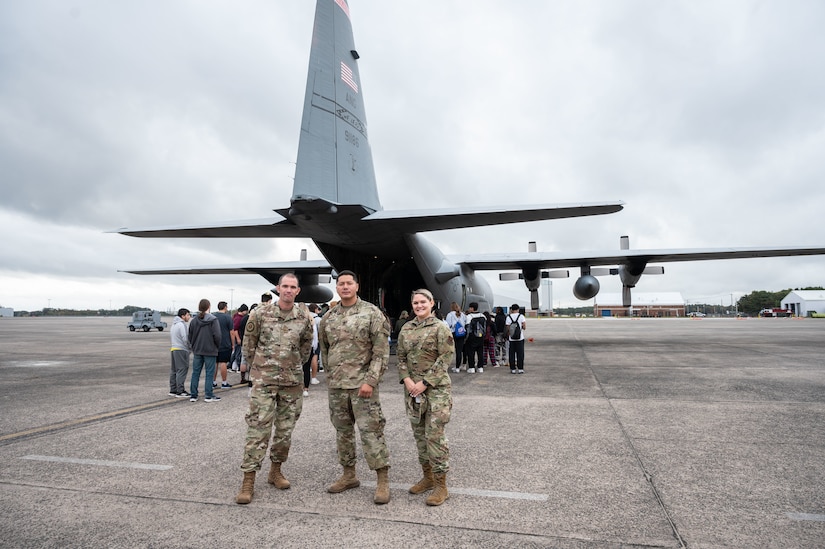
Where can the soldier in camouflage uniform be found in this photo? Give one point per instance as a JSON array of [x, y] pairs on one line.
[[425, 350], [277, 342], [354, 339]]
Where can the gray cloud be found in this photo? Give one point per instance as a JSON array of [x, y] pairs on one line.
[[706, 119]]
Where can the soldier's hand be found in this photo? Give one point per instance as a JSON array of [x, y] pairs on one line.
[[365, 391]]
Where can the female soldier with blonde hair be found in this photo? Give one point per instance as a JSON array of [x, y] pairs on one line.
[[425, 351]]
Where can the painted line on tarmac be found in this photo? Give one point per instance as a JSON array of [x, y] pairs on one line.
[[101, 462], [806, 516], [83, 420], [472, 492]]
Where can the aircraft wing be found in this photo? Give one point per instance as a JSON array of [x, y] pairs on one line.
[[437, 219], [250, 228], [555, 260], [314, 267]]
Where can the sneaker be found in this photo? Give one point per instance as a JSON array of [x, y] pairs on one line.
[[172, 394], [521, 371], [212, 399], [306, 393], [314, 381], [495, 365], [454, 370], [214, 384], [193, 399], [225, 385], [513, 372], [481, 370], [183, 394], [471, 370]]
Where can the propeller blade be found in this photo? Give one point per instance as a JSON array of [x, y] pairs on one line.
[[626, 301]]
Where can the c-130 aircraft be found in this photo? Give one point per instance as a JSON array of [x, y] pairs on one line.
[[335, 203]]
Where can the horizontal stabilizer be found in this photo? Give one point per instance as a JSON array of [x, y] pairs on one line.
[[314, 267], [277, 227], [437, 219]]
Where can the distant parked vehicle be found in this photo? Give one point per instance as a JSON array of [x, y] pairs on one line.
[[146, 320], [774, 313], [697, 314]]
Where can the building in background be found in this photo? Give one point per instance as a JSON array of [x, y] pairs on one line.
[[659, 304], [804, 302]]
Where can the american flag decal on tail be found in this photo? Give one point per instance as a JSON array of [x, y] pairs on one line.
[[343, 5], [348, 77]]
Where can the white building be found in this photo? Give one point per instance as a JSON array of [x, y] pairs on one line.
[[802, 302], [6, 311]]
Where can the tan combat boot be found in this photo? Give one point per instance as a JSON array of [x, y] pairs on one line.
[[247, 489], [276, 478], [440, 493], [382, 490], [346, 481], [425, 483]]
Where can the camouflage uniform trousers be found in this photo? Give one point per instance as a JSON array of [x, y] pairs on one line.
[[428, 420], [346, 409], [270, 405]]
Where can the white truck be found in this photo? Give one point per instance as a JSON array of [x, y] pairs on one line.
[[146, 320]]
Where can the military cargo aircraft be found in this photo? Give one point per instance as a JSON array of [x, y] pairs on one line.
[[335, 203]]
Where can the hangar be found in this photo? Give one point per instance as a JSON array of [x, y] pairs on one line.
[[654, 304], [804, 302]]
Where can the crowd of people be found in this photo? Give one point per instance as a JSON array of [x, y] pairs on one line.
[[279, 346], [480, 337]]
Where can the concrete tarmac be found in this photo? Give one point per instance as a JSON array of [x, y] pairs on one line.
[[622, 433]]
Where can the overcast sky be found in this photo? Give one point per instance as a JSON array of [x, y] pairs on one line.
[[706, 118]]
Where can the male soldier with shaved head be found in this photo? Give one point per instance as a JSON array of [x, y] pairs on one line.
[[277, 342]]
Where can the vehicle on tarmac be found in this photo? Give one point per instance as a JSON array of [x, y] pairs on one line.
[[146, 320], [697, 314]]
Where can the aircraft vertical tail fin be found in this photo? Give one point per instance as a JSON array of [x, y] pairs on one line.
[[334, 156]]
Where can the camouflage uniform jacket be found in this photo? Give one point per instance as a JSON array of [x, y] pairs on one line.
[[425, 351], [277, 344], [355, 345]]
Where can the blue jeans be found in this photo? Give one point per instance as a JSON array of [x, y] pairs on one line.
[[197, 365]]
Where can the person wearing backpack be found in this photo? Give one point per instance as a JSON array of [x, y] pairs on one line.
[[476, 326], [502, 345], [457, 323], [489, 341], [516, 325]]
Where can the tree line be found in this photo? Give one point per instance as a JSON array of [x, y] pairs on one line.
[[128, 310]]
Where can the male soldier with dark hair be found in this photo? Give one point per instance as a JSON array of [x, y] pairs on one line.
[[276, 343], [354, 339]]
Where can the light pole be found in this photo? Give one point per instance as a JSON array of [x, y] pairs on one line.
[[231, 298]]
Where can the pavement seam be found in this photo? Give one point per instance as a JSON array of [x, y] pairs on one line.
[[347, 514], [648, 477]]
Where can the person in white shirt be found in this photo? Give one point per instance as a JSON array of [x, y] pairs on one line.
[[457, 323], [516, 324]]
